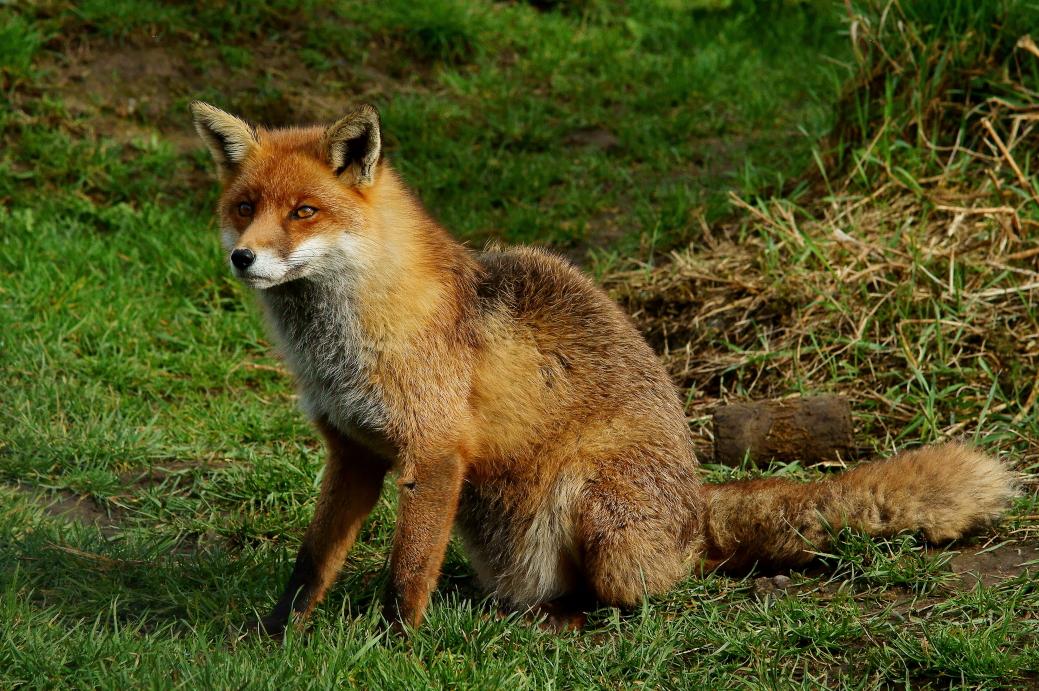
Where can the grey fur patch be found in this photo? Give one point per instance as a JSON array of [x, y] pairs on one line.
[[315, 324]]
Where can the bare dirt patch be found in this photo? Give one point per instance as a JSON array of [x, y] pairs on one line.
[[993, 565], [110, 515], [141, 88], [178, 473], [84, 510], [594, 137]]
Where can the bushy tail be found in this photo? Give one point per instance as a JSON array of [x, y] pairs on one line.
[[946, 492]]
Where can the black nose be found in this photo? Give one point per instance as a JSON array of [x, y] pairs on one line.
[[242, 258]]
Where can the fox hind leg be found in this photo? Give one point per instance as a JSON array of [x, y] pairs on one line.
[[637, 533], [608, 539], [566, 613]]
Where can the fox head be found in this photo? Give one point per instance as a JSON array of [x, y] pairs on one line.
[[295, 200]]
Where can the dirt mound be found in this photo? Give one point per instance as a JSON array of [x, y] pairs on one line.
[[140, 88]]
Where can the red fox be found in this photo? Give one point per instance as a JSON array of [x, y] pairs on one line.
[[513, 399]]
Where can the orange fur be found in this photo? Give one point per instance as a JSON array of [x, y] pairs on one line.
[[945, 492], [513, 399]]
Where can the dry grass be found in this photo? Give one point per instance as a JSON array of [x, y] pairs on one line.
[[906, 278]]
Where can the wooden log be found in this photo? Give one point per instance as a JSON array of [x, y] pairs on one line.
[[816, 429]]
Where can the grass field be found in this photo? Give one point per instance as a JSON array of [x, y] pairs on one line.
[[789, 198]]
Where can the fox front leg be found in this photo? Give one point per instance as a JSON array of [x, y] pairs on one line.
[[428, 502], [349, 490]]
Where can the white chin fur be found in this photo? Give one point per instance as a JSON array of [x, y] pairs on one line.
[[259, 282]]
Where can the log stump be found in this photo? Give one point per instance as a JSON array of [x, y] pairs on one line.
[[812, 430]]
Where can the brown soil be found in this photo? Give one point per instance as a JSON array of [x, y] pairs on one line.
[[133, 90], [110, 517], [76, 508], [992, 566], [180, 473]]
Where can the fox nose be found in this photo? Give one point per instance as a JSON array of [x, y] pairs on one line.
[[242, 258]]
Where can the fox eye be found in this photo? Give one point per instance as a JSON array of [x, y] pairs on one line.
[[245, 209], [304, 212]]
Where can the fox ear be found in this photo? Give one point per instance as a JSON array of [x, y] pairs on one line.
[[353, 146], [227, 137]]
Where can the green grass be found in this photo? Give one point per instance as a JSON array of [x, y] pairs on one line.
[[137, 378], [488, 102]]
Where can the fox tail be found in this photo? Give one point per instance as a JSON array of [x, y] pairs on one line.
[[946, 492]]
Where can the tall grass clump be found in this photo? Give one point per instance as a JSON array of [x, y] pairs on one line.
[[19, 43], [905, 275], [931, 82]]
